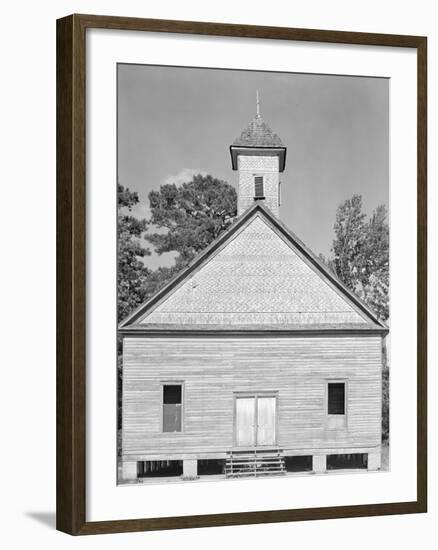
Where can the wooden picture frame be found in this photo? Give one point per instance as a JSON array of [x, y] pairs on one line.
[[71, 273]]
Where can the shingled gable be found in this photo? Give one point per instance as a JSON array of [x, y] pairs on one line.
[[340, 310]]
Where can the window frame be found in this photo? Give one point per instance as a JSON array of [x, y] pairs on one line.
[[336, 421], [344, 408], [171, 383]]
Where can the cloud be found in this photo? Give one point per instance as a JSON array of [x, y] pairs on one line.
[[184, 175]]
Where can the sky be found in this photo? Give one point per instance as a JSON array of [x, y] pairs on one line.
[[174, 122]]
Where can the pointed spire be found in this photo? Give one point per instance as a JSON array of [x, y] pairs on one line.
[[258, 104]]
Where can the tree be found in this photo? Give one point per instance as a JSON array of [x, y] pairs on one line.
[[192, 215], [385, 396], [360, 253], [158, 278], [348, 245], [375, 291], [132, 273]]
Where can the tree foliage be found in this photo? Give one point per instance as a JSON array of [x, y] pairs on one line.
[[132, 273], [190, 216], [375, 291], [348, 245], [385, 396], [360, 253], [158, 278]]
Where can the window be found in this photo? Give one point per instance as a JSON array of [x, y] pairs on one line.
[[172, 407], [336, 398], [258, 187]]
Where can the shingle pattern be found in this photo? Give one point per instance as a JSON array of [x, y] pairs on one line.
[[258, 134], [257, 278]]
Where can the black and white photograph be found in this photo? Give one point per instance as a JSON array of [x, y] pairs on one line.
[[220, 236], [253, 274]]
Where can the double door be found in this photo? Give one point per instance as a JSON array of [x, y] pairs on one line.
[[255, 420]]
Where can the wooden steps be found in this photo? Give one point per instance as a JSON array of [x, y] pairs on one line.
[[254, 463]]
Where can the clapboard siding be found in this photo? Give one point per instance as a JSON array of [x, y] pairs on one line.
[[213, 368]]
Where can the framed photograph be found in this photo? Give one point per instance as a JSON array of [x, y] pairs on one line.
[[241, 249]]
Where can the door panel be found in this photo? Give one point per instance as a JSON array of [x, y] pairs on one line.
[[266, 420], [245, 421]]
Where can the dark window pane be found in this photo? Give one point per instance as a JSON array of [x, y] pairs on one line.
[[336, 398], [172, 394], [258, 186], [171, 418]]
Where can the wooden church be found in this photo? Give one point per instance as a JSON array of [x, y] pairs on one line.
[[255, 360]]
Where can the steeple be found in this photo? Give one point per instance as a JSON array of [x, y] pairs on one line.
[[259, 156]]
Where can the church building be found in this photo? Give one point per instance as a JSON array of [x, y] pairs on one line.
[[255, 360]]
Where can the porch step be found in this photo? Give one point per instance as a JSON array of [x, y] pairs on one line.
[[255, 463]]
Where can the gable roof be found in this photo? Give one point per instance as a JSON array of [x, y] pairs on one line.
[[258, 134], [285, 288]]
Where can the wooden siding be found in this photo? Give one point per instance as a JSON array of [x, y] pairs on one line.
[[213, 368]]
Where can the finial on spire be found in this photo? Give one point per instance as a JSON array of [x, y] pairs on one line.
[[258, 103]]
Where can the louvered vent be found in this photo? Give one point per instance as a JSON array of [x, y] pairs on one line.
[[258, 187]]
